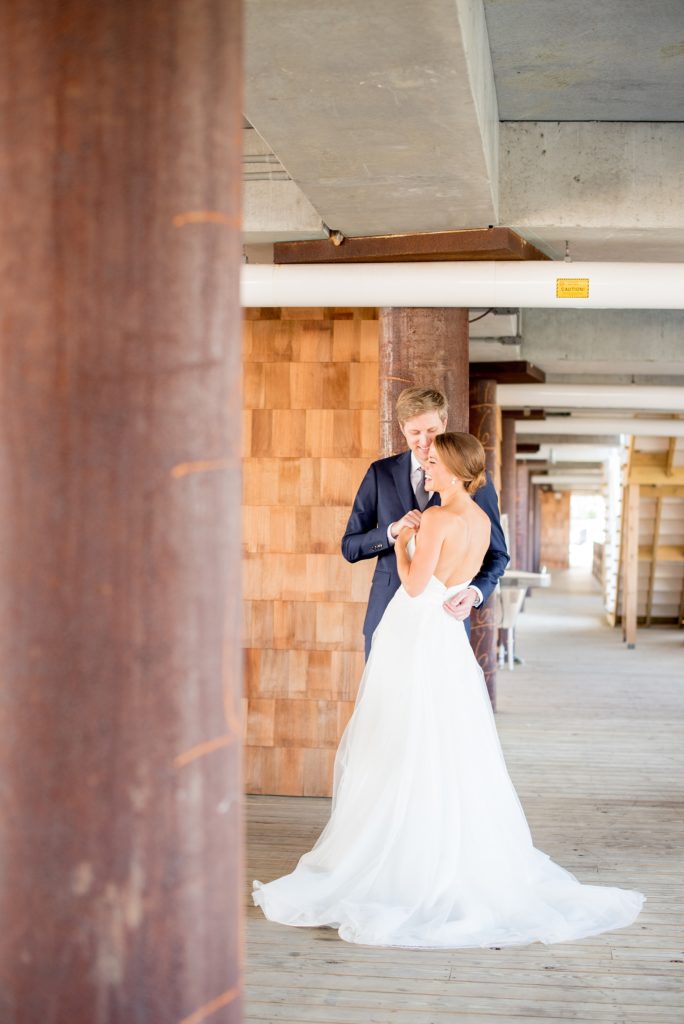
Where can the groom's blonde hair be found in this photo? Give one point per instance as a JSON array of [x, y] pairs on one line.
[[415, 401]]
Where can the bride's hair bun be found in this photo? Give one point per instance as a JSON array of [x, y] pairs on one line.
[[464, 456], [476, 483]]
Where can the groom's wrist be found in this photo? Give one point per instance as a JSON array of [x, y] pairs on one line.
[[478, 595], [390, 536]]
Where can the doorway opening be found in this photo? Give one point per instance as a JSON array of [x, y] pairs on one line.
[[587, 528]]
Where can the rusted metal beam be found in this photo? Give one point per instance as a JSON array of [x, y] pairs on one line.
[[470, 244], [514, 372]]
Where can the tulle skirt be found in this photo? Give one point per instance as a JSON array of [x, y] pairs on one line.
[[427, 844]]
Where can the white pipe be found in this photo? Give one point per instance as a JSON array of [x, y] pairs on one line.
[[570, 452], [590, 396], [568, 480], [584, 480], [583, 427], [531, 283]]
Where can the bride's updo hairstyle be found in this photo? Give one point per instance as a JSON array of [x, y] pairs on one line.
[[464, 456]]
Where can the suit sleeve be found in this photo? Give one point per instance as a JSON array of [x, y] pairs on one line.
[[364, 536], [497, 558]]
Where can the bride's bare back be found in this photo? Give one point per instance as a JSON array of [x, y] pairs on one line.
[[466, 533]]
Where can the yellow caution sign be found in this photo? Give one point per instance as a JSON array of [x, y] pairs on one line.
[[572, 287]]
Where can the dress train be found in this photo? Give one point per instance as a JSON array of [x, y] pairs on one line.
[[427, 844]]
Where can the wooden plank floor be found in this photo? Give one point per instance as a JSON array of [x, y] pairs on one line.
[[593, 738]]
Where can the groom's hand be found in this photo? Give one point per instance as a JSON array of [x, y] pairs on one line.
[[461, 604], [411, 518]]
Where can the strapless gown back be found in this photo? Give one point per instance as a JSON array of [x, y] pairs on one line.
[[427, 844]]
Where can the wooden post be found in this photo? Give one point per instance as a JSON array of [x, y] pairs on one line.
[[422, 347], [508, 477], [654, 559], [630, 568], [120, 821], [484, 424]]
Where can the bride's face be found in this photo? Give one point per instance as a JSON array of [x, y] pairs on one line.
[[437, 476]]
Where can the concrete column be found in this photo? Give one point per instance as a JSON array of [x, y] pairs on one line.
[[120, 824], [422, 347], [508, 477], [484, 424]]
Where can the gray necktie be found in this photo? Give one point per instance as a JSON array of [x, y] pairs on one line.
[[421, 493]]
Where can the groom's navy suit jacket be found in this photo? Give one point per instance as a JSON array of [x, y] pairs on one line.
[[385, 495]]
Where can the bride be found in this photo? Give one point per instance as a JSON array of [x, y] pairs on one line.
[[427, 843]]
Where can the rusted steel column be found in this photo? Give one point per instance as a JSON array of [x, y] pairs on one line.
[[423, 347], [508, 477], [120, 825], [522, 537], [484, 424], [535, 508]]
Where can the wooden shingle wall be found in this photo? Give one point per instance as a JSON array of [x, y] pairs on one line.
[[555, 529], [310, 431]]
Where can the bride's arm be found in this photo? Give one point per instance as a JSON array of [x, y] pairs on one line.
[[415, 573]]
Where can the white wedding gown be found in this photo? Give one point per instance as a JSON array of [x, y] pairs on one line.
[[427, 843]]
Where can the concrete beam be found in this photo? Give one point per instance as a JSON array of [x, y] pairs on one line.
[[383, 112], [615, 191], [609, 341], [273, 206], [603, 440], [575, 453], [619, 60], [576, 426]]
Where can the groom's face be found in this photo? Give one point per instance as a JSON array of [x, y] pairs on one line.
[[420, 431]]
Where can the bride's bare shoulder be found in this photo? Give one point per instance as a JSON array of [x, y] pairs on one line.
[[479, 514], [475, 517], [434, 517]]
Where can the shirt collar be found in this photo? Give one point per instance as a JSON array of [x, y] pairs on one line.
[[415, 464]]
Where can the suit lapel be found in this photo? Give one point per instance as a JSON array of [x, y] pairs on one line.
[[401, 474], [434, 500]]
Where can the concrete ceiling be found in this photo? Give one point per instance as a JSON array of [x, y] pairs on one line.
[[589, 60], [383, 112], [562, 121], [401, 116]]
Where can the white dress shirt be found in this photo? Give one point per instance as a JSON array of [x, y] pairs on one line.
[[416, 470]]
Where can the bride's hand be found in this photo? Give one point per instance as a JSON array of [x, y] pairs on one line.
[[406, 533]]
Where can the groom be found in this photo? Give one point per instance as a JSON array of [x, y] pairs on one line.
[[392, 495]]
